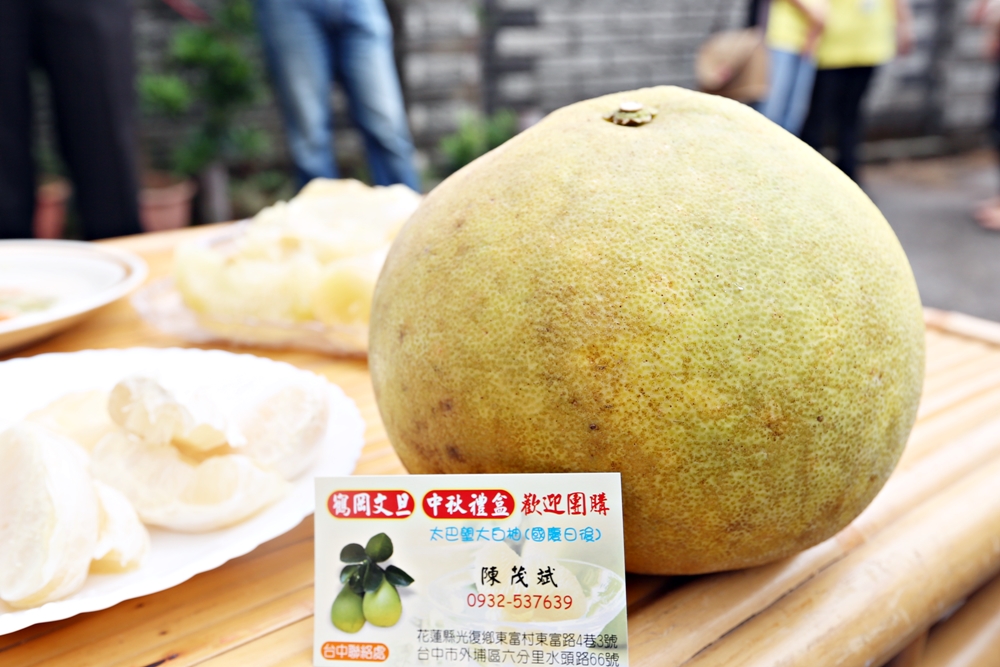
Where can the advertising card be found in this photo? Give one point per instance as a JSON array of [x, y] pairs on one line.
[[470, 570]]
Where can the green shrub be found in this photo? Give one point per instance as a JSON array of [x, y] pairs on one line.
[[211, 74], [476, 135]]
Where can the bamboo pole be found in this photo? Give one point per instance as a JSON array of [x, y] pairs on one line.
[[868, 606], [222, 593], [641, 588], [970, 638], [944, 400], [959, 374], [31, 633], [939, 339], [912, 654], [290, 646], [678, 625], [303, 659], [210, 640], [964, 351], [938, 430], [963, 325]]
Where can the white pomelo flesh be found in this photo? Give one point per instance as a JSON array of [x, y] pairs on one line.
[[278, 267], [172, 491], [48, 516], [344, 294], [268, 289], [144, 408], [122, 541], [81, 416], [283, 431]]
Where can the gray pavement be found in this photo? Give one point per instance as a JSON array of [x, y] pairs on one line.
[[929, 204]]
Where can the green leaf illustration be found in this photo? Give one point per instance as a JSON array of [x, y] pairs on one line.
[[379, 548], [373, 578], [397, 577], [353, 553], [345, 574]]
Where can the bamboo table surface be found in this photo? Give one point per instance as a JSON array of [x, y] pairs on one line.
[[929, 540]]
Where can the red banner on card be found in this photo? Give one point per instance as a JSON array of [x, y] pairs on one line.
[[468, 504], [377, 504]]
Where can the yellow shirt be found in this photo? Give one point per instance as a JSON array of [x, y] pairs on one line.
[[787, 26], [858, 33]]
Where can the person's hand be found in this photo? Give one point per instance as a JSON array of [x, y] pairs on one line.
[[816, 15], [977, 15], [904, 37], [812, 42], [991, 48]]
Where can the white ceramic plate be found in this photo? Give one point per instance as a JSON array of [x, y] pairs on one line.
[[66, 280], [33, 382]]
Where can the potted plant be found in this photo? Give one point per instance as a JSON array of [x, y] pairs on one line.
[[211, 78], [51, 198], [52, 194]]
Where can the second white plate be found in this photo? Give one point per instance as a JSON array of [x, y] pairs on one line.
[[65, 280]]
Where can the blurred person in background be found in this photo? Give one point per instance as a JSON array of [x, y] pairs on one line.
[[859, 35], [987, 12], [310, 43], [793, 33], [85, 49]]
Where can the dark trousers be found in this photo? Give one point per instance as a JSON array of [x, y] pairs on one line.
[[836, 108], [995, 128], [85, 49]]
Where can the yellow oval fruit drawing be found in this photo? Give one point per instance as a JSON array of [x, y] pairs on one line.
[[346, 613], [700, 302], [383, 607]]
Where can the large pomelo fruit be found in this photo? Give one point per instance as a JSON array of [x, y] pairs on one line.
[[700, 302]]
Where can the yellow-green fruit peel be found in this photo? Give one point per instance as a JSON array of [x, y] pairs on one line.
[[347, 613], [700, 302], [383, 607]]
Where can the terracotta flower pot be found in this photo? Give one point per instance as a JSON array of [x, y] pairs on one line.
[[165, 202], [50, 208]]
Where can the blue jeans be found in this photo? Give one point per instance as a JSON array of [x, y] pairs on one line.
[[791, 82], [308, 44]]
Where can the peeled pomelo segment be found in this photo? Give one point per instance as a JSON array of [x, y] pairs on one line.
[[201, 440], [81, 416], [170, 490], [123, 541], [210, 426], [142, 407], [213, 406], [329, 220], [284, 430], [203, 437], [273, 267], [48, 516], [145, 408], [344, 293], [271, 289]]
